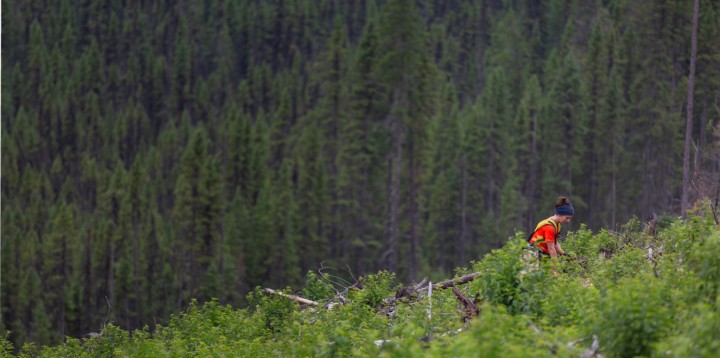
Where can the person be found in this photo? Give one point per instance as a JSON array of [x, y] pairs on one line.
[[547, 232]]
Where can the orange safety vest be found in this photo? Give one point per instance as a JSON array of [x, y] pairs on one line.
[[548, 221]]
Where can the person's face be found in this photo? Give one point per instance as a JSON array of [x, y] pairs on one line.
[[564, 219]]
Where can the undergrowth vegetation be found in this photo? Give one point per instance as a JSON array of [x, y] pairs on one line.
[[628, 293]]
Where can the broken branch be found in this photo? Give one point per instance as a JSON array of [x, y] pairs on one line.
[[291, 297], [456, 281]]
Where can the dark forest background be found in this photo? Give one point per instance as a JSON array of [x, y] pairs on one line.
[[159, 151]]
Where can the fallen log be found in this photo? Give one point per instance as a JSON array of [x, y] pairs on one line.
[[407, 292], [470, 306], [291, 297], [454, 282]]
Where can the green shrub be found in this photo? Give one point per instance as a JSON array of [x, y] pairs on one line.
[[631, 317], [274, 311], [700, 335], [532, 289], [584, 244], [317, 288], [375, 288], [704, 261], [567, 301], [500, 273], [6, 348]]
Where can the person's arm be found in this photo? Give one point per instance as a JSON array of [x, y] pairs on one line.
[[553, 254], [559, 249]]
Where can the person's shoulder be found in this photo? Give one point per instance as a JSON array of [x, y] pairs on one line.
[[548, 230]]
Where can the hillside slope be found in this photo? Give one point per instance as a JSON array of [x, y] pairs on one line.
[[631, 293]]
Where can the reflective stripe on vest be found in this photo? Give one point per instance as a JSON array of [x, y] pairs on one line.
[[547, 221]]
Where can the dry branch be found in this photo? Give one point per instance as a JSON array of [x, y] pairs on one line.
[[291, 297], [593, 351], [456, 281], [470, 307], [406, 292]]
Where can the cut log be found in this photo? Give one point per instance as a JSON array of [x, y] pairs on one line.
[[456, 281], [291, 297]]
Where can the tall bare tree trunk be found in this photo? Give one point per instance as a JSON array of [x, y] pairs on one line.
[[395, 121], [533, 177], [688, 122], [463, 211], [394, 197], [613, 198], [415, 216], [136, 269]]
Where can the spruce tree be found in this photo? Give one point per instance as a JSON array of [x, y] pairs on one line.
[[595, 78], [197, 209], [562, 127], [402, 42], [446, 235], [527, 151]]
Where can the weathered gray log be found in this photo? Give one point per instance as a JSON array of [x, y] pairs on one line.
[[291, 297], [454, 282]]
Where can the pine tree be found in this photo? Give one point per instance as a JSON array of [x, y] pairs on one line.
[[197, 209], [284, 252], [237, 220], [401, 40], [596, 74], [654, 131], [527, 136], [612, 130], [474, 152], [182, 78], [258, 245], [361, 162], [446, 236], [313, 200], [562, 127], [510, 51], [56, 251], [708, 83], [501, 185]]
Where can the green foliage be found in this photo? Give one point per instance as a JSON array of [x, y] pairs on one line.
[[632, 306], [704, 257], [317, 287], [6, 347], [630, 317], [701, 334], [501, 273], [274, 311], [375, 288], [155, 154]]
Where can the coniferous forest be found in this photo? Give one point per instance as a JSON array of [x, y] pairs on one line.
[[158, 152]]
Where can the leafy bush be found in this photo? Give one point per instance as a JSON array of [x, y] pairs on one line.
[[317, 288], [567, 301], [704, 261], [6, 348], [273, 310], [500, 273], [700, 336], [631, 317], [375, 288]]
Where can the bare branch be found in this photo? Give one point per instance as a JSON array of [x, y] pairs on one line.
[[291, 297], [455, 281]]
